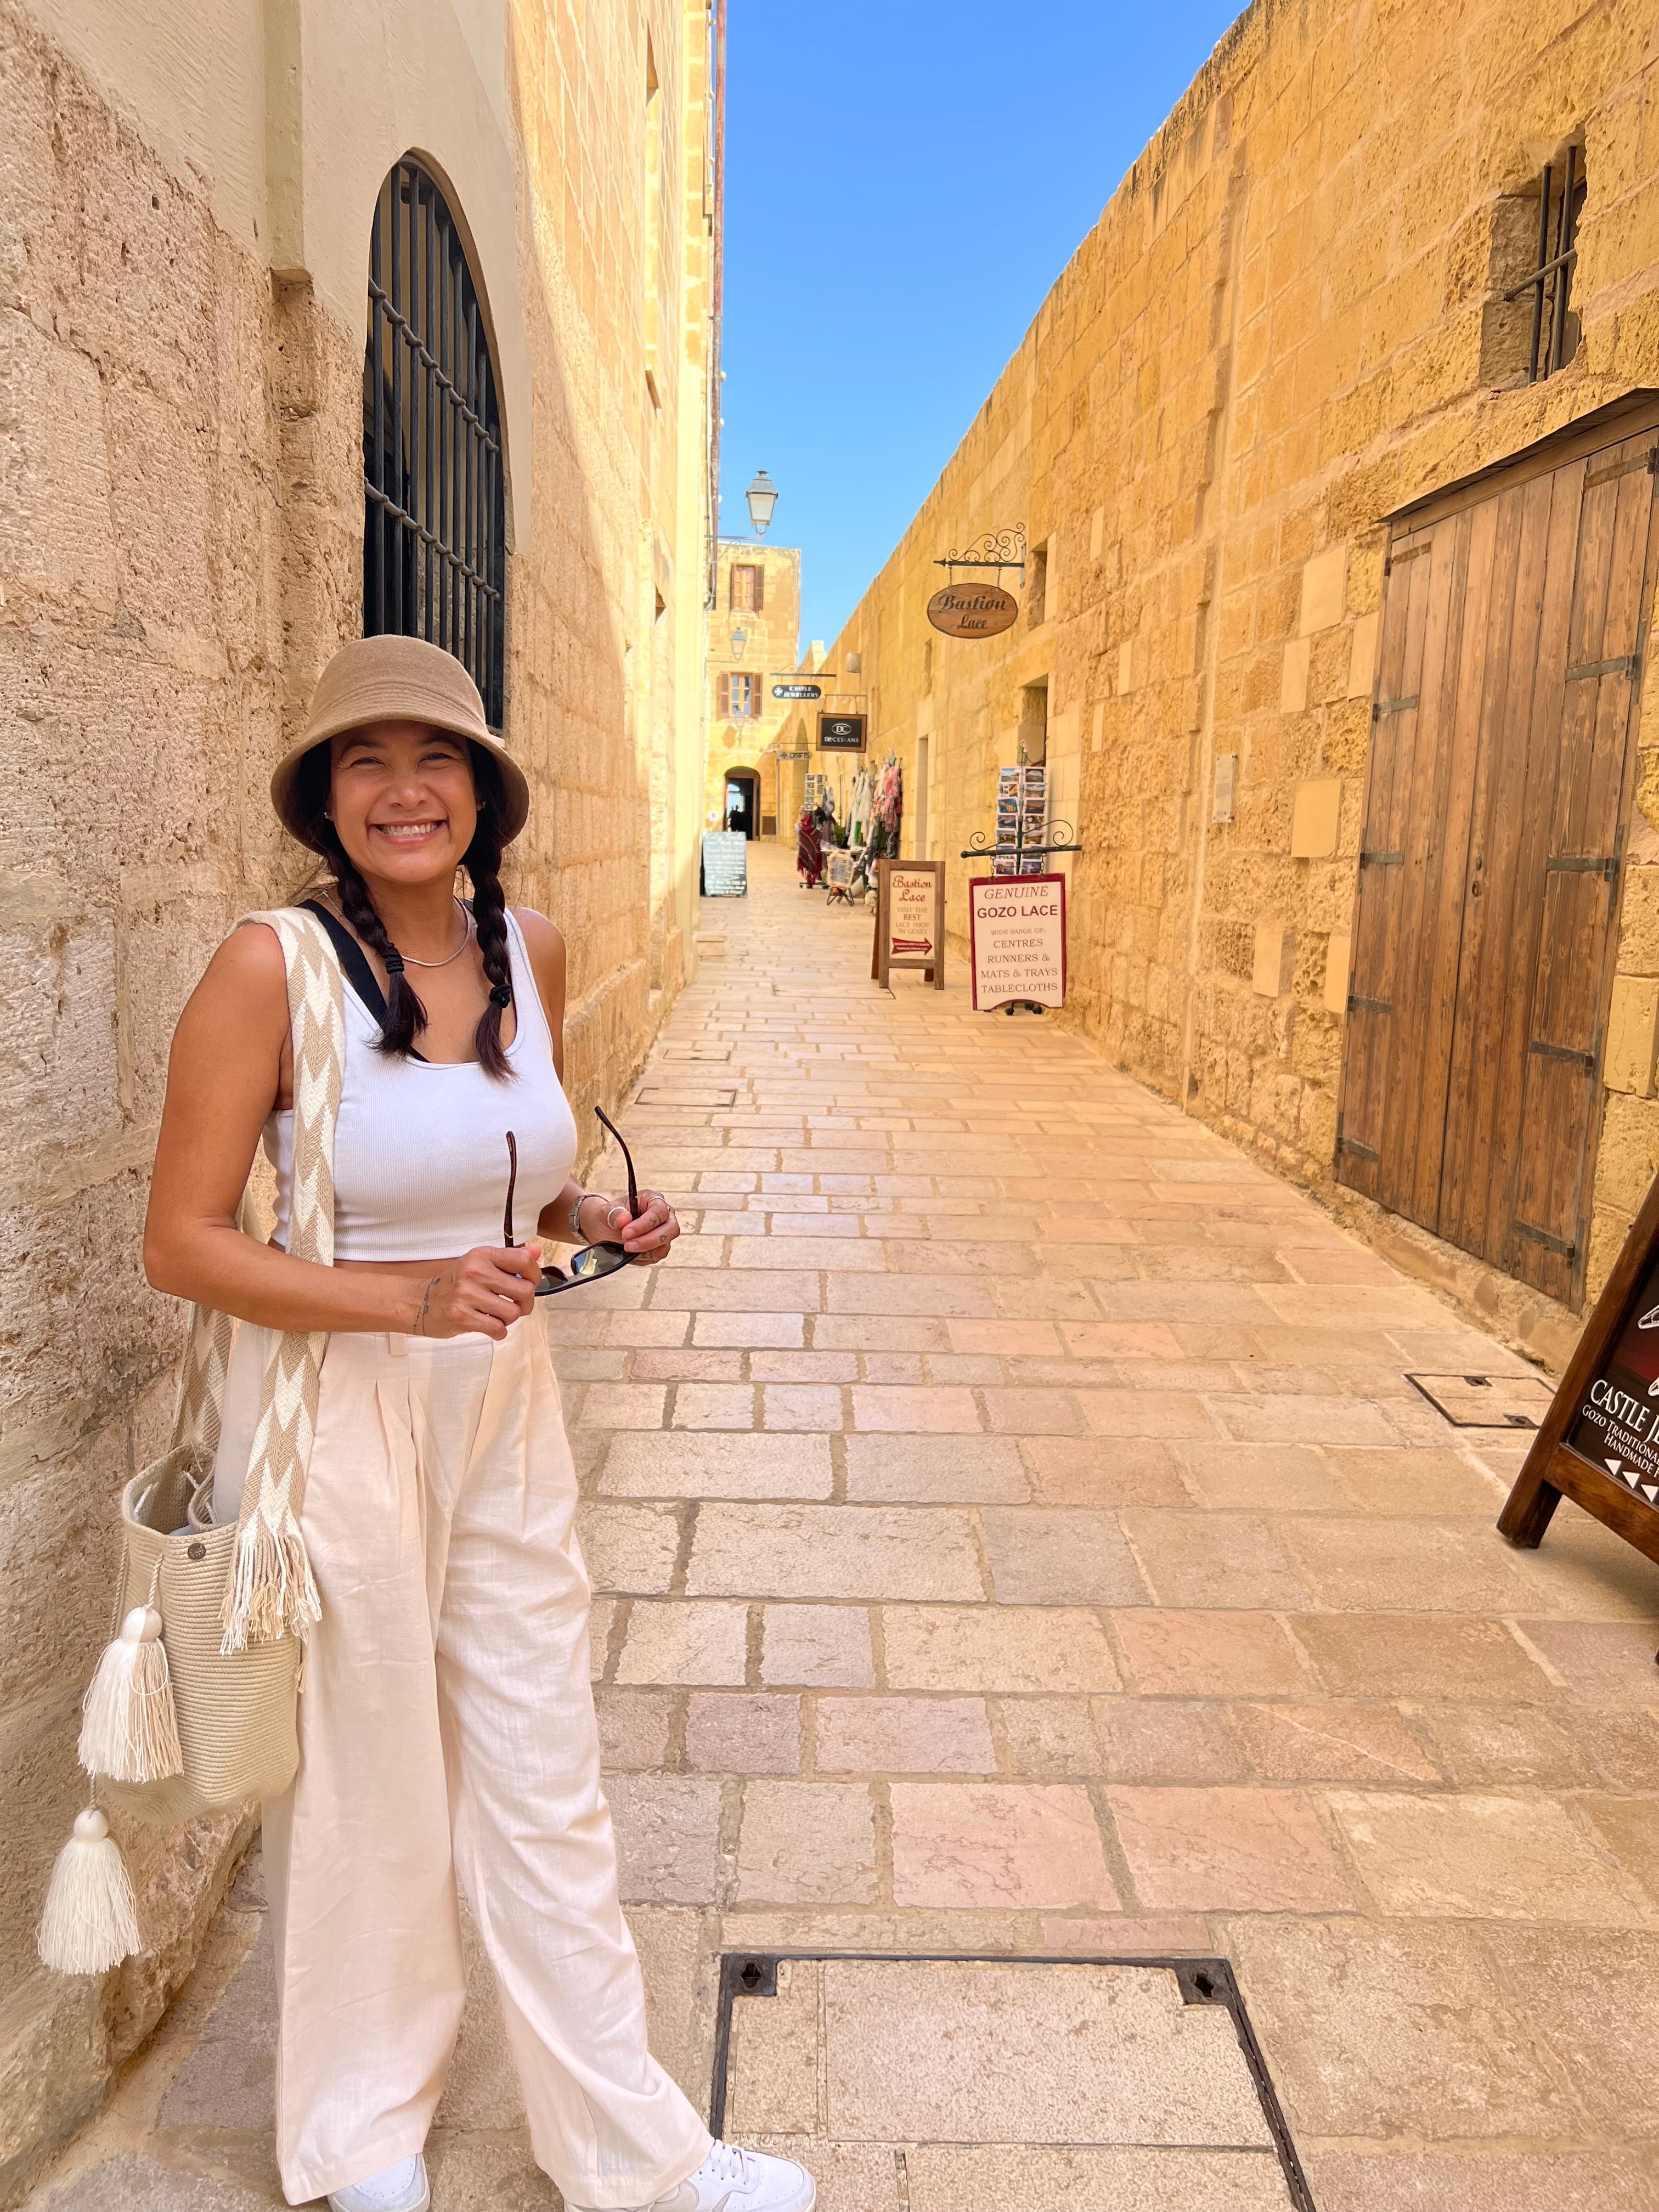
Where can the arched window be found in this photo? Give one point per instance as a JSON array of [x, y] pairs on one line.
[[434, 521]]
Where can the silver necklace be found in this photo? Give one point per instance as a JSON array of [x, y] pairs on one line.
[[409, 961]]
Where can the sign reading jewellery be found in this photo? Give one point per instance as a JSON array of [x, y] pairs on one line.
[[798, 690]]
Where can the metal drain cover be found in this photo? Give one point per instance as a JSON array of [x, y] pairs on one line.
[[944, 2085], [1487, 1401]]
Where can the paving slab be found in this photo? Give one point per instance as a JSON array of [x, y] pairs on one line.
[[955, 2084]]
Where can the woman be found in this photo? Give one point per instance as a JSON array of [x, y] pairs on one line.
[[446, 1725]]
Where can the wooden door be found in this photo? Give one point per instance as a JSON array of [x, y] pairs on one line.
[[1515, 616]]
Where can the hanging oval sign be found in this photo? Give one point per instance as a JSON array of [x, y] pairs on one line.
[[973, 609]]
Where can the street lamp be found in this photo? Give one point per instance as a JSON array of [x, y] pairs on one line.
[[739, 640], [763, 498]]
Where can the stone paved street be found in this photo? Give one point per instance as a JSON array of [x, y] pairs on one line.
[[1014, 1532]]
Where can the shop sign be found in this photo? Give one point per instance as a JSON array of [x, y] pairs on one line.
[[725, 864], [1017, 935], [1599, 1442], [909, 918], [841, 733], [798, 690], [973, 609]]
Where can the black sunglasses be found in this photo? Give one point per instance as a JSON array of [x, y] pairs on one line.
[[594, 1261]]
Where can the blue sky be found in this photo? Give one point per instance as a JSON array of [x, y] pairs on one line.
[[905, 180]]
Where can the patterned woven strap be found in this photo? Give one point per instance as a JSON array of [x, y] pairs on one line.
[[271, 1592], [202, 1385]]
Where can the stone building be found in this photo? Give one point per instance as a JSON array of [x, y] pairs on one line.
[[762, 746], [1370, 865], [753, 634], [268, 267]]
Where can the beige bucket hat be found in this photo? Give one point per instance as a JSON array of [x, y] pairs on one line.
[[395, 679]]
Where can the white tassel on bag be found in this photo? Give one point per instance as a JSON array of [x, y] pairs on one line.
[[131, 1729], [91, 1919]]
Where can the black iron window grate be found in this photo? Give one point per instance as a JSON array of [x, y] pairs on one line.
[[1555, 328], [435, 524]]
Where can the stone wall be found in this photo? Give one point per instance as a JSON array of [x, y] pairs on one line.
[[1285, 324], [180, 550]]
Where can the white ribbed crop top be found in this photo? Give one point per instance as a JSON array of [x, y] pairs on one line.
[[420, 1149]]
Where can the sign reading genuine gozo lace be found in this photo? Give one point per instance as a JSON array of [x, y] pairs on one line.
[[1017, 929]]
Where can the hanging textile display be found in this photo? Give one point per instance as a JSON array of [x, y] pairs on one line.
[[886, 806], [857, 814], [809, 852]]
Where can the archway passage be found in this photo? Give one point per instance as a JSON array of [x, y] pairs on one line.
[[743, 801], [434, 520]]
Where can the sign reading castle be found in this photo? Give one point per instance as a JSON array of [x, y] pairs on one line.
[[1599, 1442]]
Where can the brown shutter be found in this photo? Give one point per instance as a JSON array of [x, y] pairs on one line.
[[723, 703], [760, 589]]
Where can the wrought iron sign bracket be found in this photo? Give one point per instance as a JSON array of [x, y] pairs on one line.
[[995, 548], [982, 847]]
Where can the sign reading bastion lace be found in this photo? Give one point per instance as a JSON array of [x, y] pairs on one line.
[[1017, 930], [973, 609]]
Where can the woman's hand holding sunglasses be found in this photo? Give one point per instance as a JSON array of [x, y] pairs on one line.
[[646, 1236], [635, 1235], [486, 1290]]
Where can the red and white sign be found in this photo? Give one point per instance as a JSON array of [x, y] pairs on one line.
[[1017, 930], [912, 896]]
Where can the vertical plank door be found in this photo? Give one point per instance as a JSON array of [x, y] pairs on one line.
[[1514, 622]]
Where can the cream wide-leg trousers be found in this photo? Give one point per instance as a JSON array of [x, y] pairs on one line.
[[446, 1731]]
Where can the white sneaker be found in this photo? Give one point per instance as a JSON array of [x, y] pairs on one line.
[[400, 2188], [733, 2180]]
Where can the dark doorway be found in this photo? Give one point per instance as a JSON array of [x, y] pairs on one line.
[[1514, 623], [743, 801]]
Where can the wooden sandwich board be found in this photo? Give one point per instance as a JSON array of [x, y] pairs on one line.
[[1599, 1442], [910, 919]]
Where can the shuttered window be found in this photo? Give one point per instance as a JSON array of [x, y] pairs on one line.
[[734, 697], [1515, 619], [748, 588]]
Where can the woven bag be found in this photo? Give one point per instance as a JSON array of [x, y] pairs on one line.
[[193, 1709]]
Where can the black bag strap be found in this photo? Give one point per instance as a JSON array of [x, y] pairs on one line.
[[354, 961]]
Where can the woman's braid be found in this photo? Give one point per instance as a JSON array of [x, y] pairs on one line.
[[405, 1015], [484, 859]]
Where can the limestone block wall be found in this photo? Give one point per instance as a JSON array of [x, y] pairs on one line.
[[1287, 323], [181, 320]]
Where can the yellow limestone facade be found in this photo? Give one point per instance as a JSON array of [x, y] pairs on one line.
[[749, 569], [1287, 323], [185, 199]]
